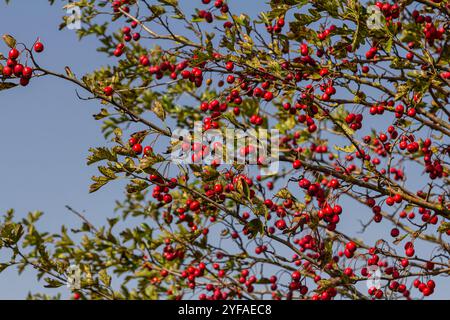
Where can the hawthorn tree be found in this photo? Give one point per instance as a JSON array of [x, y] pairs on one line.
[[359, 93]]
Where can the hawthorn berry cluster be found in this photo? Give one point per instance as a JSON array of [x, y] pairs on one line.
[[319, 82], [16, 69]]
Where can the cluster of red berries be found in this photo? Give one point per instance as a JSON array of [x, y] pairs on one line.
[[277, 27], [372, 53], [307, 242], [207, 15], [170, 253], [328, 294], [137, 147], [118, 5], [408, 143], [191, 273], [328, 88], [127, 36], [354, 121], [350, 249], [390, 11], [309, 121], [161, 193], [215, 107], [427, 288], [326, 33], [248, 281], [14, 68], [400, 109]]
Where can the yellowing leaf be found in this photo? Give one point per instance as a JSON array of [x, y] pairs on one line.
[[9, 40]]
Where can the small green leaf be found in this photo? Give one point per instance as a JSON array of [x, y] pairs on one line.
[[7, 85], [104, 277], [9, 40], [52, 283]]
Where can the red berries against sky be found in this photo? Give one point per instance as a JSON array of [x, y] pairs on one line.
[[14, 68], [38, 47], [108, 91], [319, 68]]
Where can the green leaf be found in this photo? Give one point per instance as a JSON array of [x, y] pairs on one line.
[[346, 149], [7, 85], [99, 154], [104, 277], [158, 109], [99, 182], [172, 3], [444, 227], [255, 226], [3, 266], [107, 172], [9, 40], [53, 283], [284, 194]]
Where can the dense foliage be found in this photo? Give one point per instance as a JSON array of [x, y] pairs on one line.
[[359, 93]]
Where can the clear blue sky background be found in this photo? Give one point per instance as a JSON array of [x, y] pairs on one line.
[[45, 134]]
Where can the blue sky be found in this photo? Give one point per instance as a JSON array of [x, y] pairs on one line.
[[45, 134]]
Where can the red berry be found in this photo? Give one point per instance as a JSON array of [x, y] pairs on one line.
[[27, 72], [24, 81], [137, 148], [38, 47], [297, 164], [148, 150], [194, 206], [108, 91], [395, 232], [7, 71], [13, 53], [132, 141], [167, 198], [351, 246]]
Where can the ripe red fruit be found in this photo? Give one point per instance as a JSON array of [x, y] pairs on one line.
[[132, 141], [108, 91], [38, 47], [148, 150], [268, 96], [76, 296], [395, 232], [412, 112], [7, 71], [304, 49], [280, 224], [323, 72], [348, 272], [27, 72], [194, 206], [351, 246], [229, 66], [297, 164], [137, 148], [24, 81], [296, 275], [18, 69], [218, 188], [390, 201], [167, 198], [410, 251], [13, 53]]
